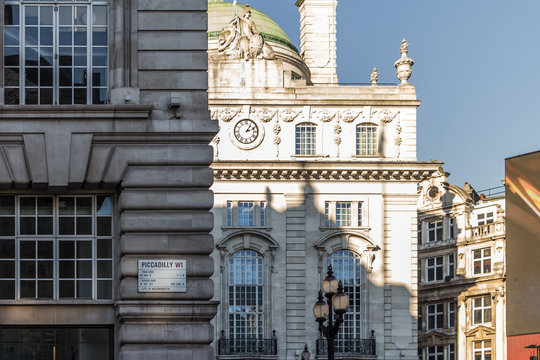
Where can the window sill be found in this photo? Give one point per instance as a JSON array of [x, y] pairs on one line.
[[56, 302], [333, 228], [227, 228], [307, 156], [376, 156], [76, 112]]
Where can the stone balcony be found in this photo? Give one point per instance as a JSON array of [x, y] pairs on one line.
[[485, 231]]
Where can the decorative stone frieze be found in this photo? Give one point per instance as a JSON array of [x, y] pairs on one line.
[[264, 114], [384, 115], [324, 115], [228, 114], [288, 115], [350, 115]]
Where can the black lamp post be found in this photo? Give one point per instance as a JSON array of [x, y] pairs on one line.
[[336, 301], [535, 346]]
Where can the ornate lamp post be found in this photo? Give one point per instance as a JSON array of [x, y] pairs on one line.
[[336, 301], [534, 346]]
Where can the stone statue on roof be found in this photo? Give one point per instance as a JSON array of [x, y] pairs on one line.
[[241, 38]]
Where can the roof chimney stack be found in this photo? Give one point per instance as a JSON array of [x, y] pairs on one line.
[[318, 39]]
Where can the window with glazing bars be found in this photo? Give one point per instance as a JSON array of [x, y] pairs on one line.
[[56, 247], [481, 310], [55, 52], [435, 353], [246, 213], [482, 261], [366, 139], [435, 230], [347, 267], [482, 350], [435, 316], [246, 311], [305, 139], [434, 268]]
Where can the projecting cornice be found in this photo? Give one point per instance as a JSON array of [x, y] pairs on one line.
[[324, 171]]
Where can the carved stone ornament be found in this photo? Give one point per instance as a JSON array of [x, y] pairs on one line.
[[386, 115], [374, 77], [404, 63], [216, 140], [265, 114], [277, 140], [228, 114], [214, 114], [289, 115], [325, 115], [277, 129], [241, 38], [337, 140], [398, 141], [337, 129], [350, 115]]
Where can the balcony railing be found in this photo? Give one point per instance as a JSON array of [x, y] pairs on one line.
[[248, 346], [348, 346], [486, 230]]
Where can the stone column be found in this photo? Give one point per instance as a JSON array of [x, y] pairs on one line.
[[461, 327]]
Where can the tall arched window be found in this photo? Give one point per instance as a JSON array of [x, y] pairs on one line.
[[305, 139], [366, 139], [347, 268], [55, 53], [246, 308]]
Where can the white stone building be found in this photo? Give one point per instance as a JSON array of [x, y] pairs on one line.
[[461, 247], [309, 173]]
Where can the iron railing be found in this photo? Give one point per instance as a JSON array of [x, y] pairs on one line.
[[247, 346], [348, 346]]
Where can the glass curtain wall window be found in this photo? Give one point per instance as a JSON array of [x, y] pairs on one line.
[[347, 268], [305, 139], [246, 313], [55, 52], [56, 247], [366, 139]]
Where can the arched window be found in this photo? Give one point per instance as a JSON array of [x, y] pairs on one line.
[[347, 267], [366, 139], [305, 139], [246, 308], [55, 53]]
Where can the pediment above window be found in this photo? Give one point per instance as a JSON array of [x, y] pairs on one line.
[[254, 240], [433, 338], [480, 332]]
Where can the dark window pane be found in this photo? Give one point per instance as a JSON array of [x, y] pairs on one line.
[[31, 15], [45, 289], [66, 79], [11, 15], [65, 96], [27, 226], [31, 35], [84, 226], [11, 96], [28, 288], [7, 226], [99, 77], [11, 36], [11, 56], [79, 96], [31, 76], [46, 36], [84, 206], [84, 249], [79, 78], [45, 225], [99, 56], [99, 96], [84, 288], [80, 56], [66, 269], [99, 36], [28, 269], [46, 96], [28, 205], [7, 205], [65, 35], [46, 56], [104, 248], [46, 77], [11, 78], [66, 226], [104, 289], [66, 249], [7, 270], [104, 205], [46, 15], [104, 226], [66, 205], [45, 269], [66, 15], [45, 249], [7, 249], [104, 268], [67, 288], [80, 36], [84, 269], [27, 249], [8, 289], [31, 95], [66, 55]]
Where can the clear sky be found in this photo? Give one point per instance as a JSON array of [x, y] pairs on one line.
[[477, 72]]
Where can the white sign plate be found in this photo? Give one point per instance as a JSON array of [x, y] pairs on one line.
[[162, 276]]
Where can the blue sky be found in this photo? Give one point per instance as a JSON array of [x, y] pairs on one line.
[[477, 72]]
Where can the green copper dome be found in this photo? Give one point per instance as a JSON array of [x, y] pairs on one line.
[[220, 14]]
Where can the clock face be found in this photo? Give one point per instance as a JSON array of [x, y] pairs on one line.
[[246, 131]]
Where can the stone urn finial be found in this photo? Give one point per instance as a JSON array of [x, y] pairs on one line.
[[404, 63], [374, 77]]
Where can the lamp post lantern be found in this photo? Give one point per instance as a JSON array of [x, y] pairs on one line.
[[534, 346], [336, 301]]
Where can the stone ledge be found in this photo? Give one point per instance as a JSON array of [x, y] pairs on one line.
[[138, 311], [75, 112]]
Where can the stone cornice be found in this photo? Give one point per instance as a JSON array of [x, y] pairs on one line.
[[75, 112], [349, 171]]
